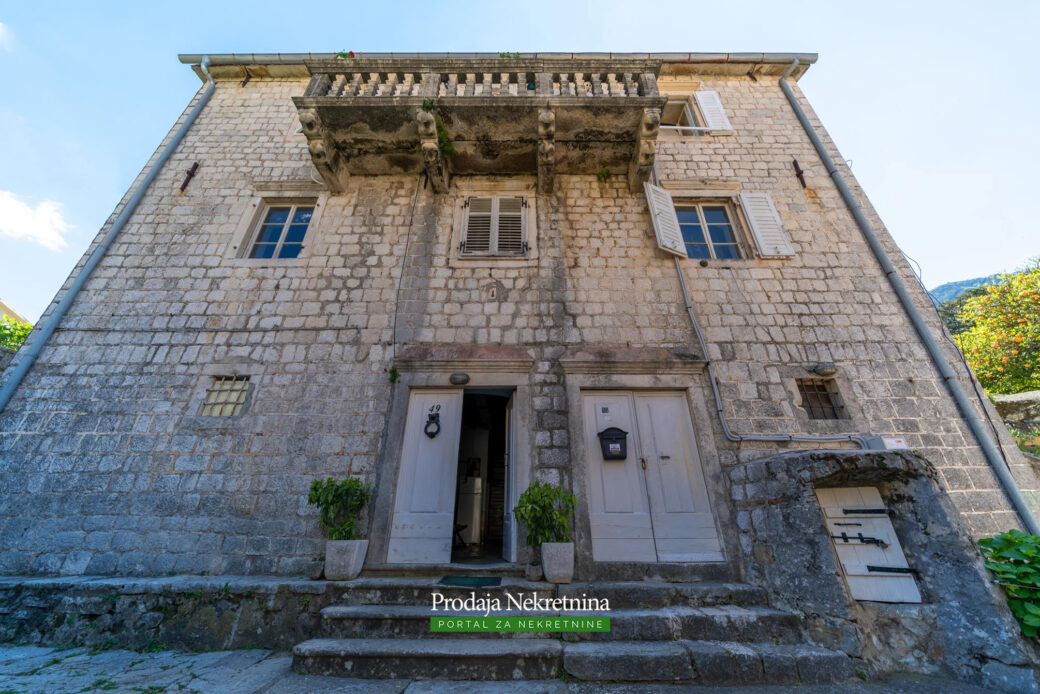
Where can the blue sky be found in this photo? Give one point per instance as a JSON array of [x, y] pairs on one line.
[[932, 102]]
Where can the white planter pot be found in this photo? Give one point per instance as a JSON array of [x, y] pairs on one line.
[[558, 561], [344, 559]]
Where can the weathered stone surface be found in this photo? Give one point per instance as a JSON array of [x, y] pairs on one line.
[[627, 661], [1017, 407]]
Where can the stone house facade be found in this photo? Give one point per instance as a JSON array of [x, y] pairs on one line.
[[373, 249]]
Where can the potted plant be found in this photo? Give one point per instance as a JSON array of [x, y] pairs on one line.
[[546, 510], [340, 503]]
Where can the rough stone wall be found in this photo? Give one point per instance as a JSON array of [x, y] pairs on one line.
[[108, 468], [6, 357]]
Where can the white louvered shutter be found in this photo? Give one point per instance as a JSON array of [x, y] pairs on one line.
[[872, 561], [666, 223], [510, 227], [766, 228], [711, 109], [477, 236]]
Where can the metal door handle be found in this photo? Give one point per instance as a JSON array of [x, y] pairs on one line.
[[642, 461]]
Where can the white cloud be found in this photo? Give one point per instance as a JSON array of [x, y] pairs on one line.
[[6, 38], [42, 224]]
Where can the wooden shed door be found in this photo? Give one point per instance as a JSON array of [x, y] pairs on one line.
[[424, 507], [871, 558], [652, 506]]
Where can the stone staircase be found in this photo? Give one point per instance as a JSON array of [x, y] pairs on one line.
[[704, 633]]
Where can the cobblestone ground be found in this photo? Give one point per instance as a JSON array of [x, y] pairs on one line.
[[35, 670]]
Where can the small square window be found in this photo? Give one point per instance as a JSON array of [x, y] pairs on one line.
[[494, 225], [707, 230], [821, 399], [226, 396], [281, 231]]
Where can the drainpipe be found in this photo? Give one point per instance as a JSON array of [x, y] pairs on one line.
[[31, 351], [993, 456]]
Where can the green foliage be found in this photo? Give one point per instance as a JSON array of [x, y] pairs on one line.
[[545, 509], [429, 105], [444, 143], [13, 332], [951, 310], [1014, 559], [342, 55], [1003, 343], [340, 504], [154, 646], [514, 56], [395, 375], [603, 175]]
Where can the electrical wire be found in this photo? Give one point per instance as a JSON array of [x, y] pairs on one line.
[[404, 266]]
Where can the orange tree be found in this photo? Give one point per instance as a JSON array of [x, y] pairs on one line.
[[1003, 344]]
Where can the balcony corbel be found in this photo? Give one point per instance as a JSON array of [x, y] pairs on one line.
[[433, 160], [331, 165], [646, 149], [546, 150]]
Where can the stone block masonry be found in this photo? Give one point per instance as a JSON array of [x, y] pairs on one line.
[[109, 468]]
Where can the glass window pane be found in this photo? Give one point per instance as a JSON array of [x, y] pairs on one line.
[[277, 215], [269, 233], [727, 251], [687, 215], [263, 250], [290, 250], [697, 250], [303, 215], [295, 233], [692, 233], [720, 233], [715, 215]]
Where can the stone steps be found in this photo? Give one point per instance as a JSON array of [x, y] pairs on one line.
[[729, 622], [454, 659], [649, 594], [696, 662], [418, 590]]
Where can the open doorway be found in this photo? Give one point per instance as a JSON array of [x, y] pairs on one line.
[[481, 488]]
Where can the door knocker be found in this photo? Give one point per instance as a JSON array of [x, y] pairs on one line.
[[433, 422]]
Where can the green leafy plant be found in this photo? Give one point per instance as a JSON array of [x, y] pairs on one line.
[[13, 332], [1014, 559], [546, 511], [429, 105], [342, 55], [514, 56], [340, 503], [444, 143], [395, 375], [603, 175]]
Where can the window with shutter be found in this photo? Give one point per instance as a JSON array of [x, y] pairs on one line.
[[494, 225], [871, 558], [666, 222], [710, 106], [766, 227]]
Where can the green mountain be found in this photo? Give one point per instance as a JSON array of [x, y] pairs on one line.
[[951, 290]]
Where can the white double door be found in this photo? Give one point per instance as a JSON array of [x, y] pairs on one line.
[[653, 506], [424, 505]]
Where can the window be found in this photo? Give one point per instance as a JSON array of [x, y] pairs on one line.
[[494, 225], [707, 231], [821, 399], [226, 396], [281, 231], [679, 112], [703, 114]]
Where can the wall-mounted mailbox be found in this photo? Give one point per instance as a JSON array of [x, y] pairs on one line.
[[614, 443]]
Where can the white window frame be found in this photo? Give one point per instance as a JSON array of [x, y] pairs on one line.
[[258, 227], [251, 219], [493, 250], [736, 224], [695, 114], [464, 187]]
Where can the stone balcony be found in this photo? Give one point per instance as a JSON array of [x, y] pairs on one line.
[[502, 116]]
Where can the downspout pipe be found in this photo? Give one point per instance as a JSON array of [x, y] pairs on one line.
[[964, 404], [32, 351]]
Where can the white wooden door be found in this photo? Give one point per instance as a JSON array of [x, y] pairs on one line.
[[509, 523], [683, 524], [653, 506], [424, 507], [866, 544], [618, 509]]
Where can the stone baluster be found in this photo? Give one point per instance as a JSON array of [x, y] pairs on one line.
[[471, 84], [453, 84], [630, 85], [319, 85], [648, 84], [597, 84], [543, 84]]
